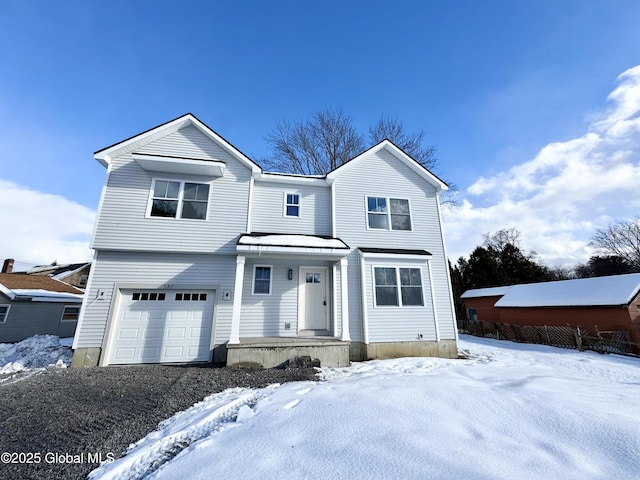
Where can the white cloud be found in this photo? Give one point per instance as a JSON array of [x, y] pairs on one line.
[[559, 198], [39, 227]]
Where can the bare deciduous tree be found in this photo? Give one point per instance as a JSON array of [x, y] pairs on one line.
[[501, 238], [622, 239], [313, 147], [328, 139]]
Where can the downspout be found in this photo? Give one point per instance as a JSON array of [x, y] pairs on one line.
[[363, 290]]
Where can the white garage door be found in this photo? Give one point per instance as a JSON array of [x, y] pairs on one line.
[[163, 326]]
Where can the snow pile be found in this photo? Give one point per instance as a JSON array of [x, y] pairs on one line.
[[36, 352], [506, 411]]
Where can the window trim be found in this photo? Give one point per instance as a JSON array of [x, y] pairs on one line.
[[253, 282], [398, 285], [62, 319], [388, 213], [6, 314], [180, 199], [286, 204]]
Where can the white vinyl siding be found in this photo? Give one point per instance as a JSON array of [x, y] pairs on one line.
[[154, 271], [401, 323], [123, 223], [267, 315], [268, 215], [351, 190]]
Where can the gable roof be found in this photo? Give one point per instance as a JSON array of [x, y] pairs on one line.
[[616, 290], [138, 141], [397, 152], [16, 283]]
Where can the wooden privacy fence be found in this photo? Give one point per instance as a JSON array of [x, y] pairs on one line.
[[564, 337]]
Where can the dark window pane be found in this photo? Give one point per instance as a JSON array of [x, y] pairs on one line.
[[378, 221], [190, 191], [160, 189], [164, 208], [261, 286], [203, 297], [412, 296], [399, 206], [385, 276], [186, 296], [377, 204], [386, 296], [161, 296], [194, 209], [309, 278], [316, 278], [400, 222], [136, 296], [262, 280], [293, 211], [144, 296], [178, 296], [203, 192], [153, 296], [410, 276]]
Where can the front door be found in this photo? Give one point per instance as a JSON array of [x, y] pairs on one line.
[[313, 308]]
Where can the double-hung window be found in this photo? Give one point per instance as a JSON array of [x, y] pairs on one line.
[[387, 213], [4, 313], [178, 199], [291, 204], [398, 287], [262, 280]]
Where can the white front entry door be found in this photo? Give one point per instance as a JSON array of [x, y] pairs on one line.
[[313, 308]]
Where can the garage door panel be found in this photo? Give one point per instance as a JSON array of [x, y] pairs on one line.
[[154, 327]]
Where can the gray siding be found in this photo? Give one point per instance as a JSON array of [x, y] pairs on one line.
[[265, 315], [28, 318], [383, 175], [122, 222], [154, 270], [268, 209]]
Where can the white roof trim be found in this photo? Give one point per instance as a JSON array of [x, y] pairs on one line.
[[136, 142], [396, 256], [300, 251], [8, 292], [188, 166], [271, 177], [39, 295], [399, 154]]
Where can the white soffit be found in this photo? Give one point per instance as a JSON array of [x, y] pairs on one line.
[[187, 166]]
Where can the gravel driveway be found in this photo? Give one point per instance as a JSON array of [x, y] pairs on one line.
[[103, 410]]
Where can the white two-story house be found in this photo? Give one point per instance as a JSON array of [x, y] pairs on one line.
[[202, 256]]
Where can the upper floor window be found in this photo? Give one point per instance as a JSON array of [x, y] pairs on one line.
[[292, 205], [177, 199], [386, 213]]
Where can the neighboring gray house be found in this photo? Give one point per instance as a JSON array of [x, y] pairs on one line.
[[36, 305], [201, 256]]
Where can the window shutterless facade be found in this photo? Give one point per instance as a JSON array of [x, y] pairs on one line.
[[178, 199], [262, 279], [291, 204], [398, 287], [385, 213]]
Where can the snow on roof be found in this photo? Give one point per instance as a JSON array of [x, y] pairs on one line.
[[283, 240], [485, 292], [47, 295], [582, 292]]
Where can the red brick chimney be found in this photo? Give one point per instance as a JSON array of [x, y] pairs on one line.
[[8, 265]]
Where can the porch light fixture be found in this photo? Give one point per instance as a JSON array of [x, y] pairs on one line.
[[290, 274]]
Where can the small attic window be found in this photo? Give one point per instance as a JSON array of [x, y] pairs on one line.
[[291, 204]]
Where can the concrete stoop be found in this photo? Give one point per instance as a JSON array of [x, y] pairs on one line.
[[269, 353]]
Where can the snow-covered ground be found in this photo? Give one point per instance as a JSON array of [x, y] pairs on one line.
[[507, 411], [35, 354]]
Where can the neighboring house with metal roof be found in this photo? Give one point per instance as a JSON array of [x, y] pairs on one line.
[[200, 255], [608, 303], [33, 305]]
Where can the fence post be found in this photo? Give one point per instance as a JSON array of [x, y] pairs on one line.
[[578, 335], [546, 330]]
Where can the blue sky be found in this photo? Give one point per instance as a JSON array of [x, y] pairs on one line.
[[491, 83]]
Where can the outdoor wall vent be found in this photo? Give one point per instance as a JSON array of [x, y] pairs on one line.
[[287, 326]]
